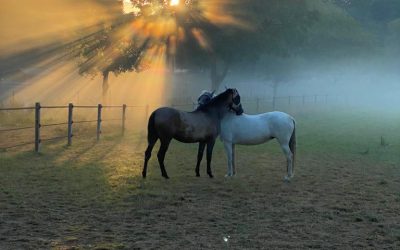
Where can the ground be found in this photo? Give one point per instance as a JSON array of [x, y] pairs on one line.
[[345, 193]]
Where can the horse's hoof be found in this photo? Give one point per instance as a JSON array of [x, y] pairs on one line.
[[286, 179], [165, 176], [197, 175], [211, 175], [144, 175], [228, 175]]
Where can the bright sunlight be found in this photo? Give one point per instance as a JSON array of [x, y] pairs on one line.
[[174, 2]]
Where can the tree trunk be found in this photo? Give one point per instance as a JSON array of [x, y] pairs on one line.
[[105, 86], [217, 77], [213, 75]]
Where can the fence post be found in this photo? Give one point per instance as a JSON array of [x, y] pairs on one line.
[[304, 100], [123, 118], [70, 110], [99, 107], [315, 99], [290, 100], [37, 127]]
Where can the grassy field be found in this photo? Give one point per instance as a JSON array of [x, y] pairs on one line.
[[345, 194]]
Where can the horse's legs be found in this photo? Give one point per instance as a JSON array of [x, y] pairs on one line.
[[233, 160], [151, 141], [228, 150], [210, 147], [200, 153], [289, 159], [161, 156]]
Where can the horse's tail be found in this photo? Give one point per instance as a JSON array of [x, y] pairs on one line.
[[292, 143], [152, 135]]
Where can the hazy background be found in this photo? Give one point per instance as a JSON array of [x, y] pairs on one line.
[[331, 64], [346, 49]]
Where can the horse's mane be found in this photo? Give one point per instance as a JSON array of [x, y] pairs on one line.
[[216, 100]]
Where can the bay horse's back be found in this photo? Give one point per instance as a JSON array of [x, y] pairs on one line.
[[187, 127], [165, 121]]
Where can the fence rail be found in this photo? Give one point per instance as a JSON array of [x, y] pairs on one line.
[[53, 124], [13, 109], [54, 107], [14, 129], [38, 125]]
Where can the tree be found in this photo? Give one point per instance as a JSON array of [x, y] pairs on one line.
[[200, 37], [259, 27], [103, 51], [377, 16], [336, 34], [393, 40], [327, 34], [113, 46]]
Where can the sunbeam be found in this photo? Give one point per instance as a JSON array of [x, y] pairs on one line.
[[49, 54]]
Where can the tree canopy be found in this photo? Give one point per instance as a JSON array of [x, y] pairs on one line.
[[216, 36]]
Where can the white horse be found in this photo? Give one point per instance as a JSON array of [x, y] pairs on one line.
[[256, 129]]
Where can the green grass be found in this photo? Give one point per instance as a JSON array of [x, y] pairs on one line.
[[91, 196]]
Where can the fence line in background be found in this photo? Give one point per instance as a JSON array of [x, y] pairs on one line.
[[70, 121], [38, 125]]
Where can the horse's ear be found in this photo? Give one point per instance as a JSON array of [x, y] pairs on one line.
[[212, 93], [226, 87]]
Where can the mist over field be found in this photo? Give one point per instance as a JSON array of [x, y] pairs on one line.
[[81, 83], [346, 49]]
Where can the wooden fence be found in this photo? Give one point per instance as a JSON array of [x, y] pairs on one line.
[[258, 103], [38, 125]]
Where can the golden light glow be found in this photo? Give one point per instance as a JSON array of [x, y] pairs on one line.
[[200, 38], [64, 85], [63, 21], [53, 79], [128, 7], [174, 2]]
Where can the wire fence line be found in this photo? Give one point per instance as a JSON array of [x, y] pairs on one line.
[[38, 125], [38, 108]]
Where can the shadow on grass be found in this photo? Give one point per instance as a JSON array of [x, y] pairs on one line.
[[92, 195], [61, 197]]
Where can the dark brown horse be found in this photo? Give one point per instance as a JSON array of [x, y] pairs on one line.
[[201, 125]]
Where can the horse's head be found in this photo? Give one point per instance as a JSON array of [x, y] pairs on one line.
[[234, 101], [229, 98]]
